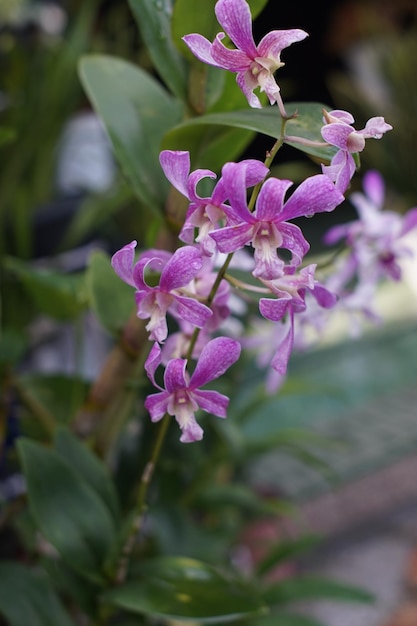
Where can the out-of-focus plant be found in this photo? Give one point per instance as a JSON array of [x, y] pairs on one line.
[[120, 522]]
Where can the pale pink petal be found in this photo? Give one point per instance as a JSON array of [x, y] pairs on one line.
[[337, 134], [272, 44], [375, 128], [409, 221], [191, 431], [374, 188], [236, 19], [122, 262], [247, 84], [216, 357], [176, 167], [233, 60], [200, 47]]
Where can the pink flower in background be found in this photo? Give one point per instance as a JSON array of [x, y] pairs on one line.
[[254, 65], [204, 213], [267, 228], [182, 395], [176, 273], [340, 133]]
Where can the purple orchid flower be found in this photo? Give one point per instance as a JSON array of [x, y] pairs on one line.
[[267, 227], [182, 395], [254, 65], [203, 213], [291, 291], [340, 133], [172, 294]]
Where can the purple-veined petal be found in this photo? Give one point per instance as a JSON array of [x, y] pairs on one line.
[[185, 263], [337, 134], [375, 128], [176, 167], [315, 195], [150, 261], [232, 238], [273, 309], [193, 181], [232, 60], [200, 47], [234, 180], [212, 401], [325, 298], [255, 171], [236, 19], [268, 84], [215, 358], [152, 363], [272, 44], [175, 375], [191, 311], [271, 199], [157, 405], [122, 262], [293, 240], [338, 115]]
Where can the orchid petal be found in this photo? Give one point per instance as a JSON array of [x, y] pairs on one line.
[[122, 262], [293, 240], [236, 19], [282, 355], [185, 263], [157, 405], [212, 401], [316, 194], [191, 431], [271, 199], [274, 309], [176, 167], [232, 238], [152, 363], [374, 188], [247, 83], [192, 311], [193, 181], [200, 47], [337, 134], [232, 60], [216, 357], [175, 375], [272, 44]]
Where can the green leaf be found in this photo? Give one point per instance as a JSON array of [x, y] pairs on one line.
[[111, 299], [27, 600], [182, 588], [153, 18], [136, 112], [70, 515], [268, 122], [89, 466], [284, 619], [7, 135], [285, 550], [314, 588], [12, 347], [59, 295]]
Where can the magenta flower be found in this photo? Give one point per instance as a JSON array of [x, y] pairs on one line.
[[267, 228], [254, 65], [203, 213], [290, 291], [340, 133], [173, 292], [182, 395]]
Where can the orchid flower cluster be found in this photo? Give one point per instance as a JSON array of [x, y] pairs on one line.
[[250, 211]]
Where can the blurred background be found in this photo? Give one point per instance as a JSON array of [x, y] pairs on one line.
[[61, 194]]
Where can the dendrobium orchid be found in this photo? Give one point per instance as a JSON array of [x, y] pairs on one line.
[[339, 132], [173, 294], [182, 395], [267, 228], [203, 213], [254, 65]]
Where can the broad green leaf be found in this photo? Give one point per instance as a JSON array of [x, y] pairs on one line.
[[314, 588], [267, 121], [60, 394], [284, 619], [182, 588], [153, 18], [57, 294], [136, 112], [209, 146], [70, 515], [111, 299], [89, 466], [26, 599]]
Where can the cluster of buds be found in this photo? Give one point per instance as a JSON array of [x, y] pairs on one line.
[[249, 210]]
